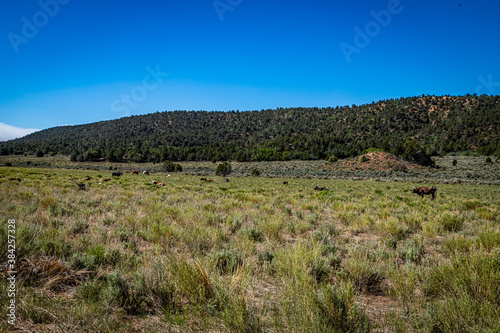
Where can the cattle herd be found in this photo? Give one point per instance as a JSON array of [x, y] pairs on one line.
[[422, 191]]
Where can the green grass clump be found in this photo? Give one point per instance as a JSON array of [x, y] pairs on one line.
[[227, 261], [450, 221], [337, 310]]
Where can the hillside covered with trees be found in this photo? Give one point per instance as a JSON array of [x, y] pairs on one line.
[[414, 128]]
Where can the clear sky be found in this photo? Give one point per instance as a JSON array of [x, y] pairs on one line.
[[73, 62]]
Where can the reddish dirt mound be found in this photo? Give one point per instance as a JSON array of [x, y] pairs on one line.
[[375, 161]]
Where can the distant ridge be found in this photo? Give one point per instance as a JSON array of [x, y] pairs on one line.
[[406, 127]]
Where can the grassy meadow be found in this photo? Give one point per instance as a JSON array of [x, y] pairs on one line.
[[249, 255]]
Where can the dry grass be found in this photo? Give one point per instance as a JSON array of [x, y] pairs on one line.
[[249, 255]]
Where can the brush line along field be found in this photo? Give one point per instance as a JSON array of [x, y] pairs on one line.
[[249, 255]]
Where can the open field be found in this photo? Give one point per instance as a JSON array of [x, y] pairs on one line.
[[469, 169], [252, 254]]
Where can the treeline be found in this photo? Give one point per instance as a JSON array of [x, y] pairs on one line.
[[414, 128]]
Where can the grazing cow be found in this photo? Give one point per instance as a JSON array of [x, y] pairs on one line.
[[16, 178], [154, 182], [105, 180], [209, 180], [203, 179], [425, 190], [160, 184], [145, 172], [86, 178], [81, 187], [227, 180], [116, 174], [285, 183], [135, 172], [318, 188]]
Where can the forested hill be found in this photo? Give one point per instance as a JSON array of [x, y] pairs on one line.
[[430, 124]]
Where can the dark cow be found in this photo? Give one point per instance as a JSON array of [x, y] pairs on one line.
[[145, 172], [319, 188], [227, 180], [425, 190], [203, 179], [81, 187], [15, 178], [135, 172], [285, 183], [116, 174]]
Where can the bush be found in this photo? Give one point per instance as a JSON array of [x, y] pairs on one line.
[[455, 162], [338, 311], [227, 261], [223, 169], [169, 166], [451, 221], [255, 172], [364, 159], [333, 159], [401, 167], [488, 160], [467, 292]]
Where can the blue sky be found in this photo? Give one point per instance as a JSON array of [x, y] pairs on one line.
[[74, 62]]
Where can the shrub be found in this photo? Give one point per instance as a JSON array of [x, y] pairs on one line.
[[363, 159], [451, 221], [333, 159], [338, 311], [468, 294], [119, 292], [400, 167], [455, 162], [223, 169], [80, 226], [320, 269], [266, 257], [169, 166], [227, 261], [488, 160], [254, 234], [255, 172]]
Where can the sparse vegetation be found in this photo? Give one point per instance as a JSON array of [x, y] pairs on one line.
[[252, 255]]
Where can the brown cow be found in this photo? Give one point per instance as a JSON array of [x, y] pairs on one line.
[[16, 178], [105, 180], [160, 184], [203, 179], [285, 183], [135, 172], [425, 190], [86, 178]]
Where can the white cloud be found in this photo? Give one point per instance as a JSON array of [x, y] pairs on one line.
[[8, 132]]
